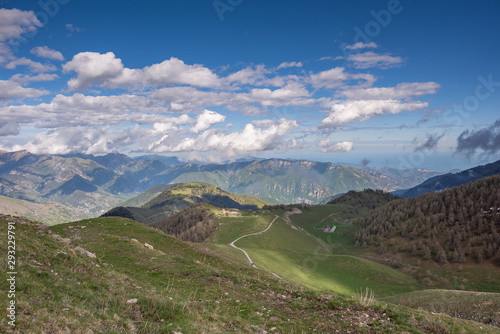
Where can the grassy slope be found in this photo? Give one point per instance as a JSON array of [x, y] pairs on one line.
[[188, 192], [304, 259], [478, 306], [293, 255], [48, 213], [146, 196], [177, 288]]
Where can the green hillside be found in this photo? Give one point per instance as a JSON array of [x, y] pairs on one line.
[[185, 194], [456, 226], [129, 288], [146, 196], [300, 257], [368, 198], [179, 197], [49, 213], [296, 248]]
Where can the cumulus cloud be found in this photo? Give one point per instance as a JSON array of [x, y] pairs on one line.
[[332, 78], [372, 59], [12, 89], [81, 139], [93, 68], [430, 142], [24, 78], [14, 23], [96, 69], [248, 75], [290, 64], [9, 129], [249, 140], [400, 91], [206, 120], [33, 65], [350, 111], [83, 110], [485, 141], [46, 52], [340, 147], [361, 45]]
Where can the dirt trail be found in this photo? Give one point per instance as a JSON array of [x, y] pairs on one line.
[[246, 254]]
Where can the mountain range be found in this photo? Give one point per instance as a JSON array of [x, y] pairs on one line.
[[449, 180], [94, 184]]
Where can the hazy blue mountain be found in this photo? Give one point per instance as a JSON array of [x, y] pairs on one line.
[[169, 161], [94, 184], [442, 182]]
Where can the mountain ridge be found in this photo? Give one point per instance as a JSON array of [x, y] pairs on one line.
[[449, 180]]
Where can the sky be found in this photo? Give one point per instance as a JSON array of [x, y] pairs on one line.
[[401, 84]]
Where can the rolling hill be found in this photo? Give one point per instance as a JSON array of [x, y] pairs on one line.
[[49, 213], [180, 196], [98, 275]]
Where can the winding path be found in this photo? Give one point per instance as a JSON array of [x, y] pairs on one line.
[[246, 254]]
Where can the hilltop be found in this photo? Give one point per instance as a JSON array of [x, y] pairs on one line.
[[368, 198], [180, 196]]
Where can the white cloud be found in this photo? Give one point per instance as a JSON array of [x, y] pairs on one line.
[[206, 120], [345, 146], [72, 28], [12, 89], [249, 140], [351, 111], [33, 78], [332, 78], [95, 69], [248, 75], [46, 52], [81, 139], [175, 71], [290, 64], [15, 22], [9, 129], [361, 45], [372, 59], [401, 91], [33, 65], [83, 110]]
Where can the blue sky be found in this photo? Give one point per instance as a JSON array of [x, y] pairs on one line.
[[404, 84]]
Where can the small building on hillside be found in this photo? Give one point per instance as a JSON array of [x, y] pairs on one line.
[[329, 229]]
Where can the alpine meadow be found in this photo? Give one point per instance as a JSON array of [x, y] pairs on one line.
[[233, 166]]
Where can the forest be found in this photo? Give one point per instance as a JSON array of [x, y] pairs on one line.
[[453, 226], [193, 224]]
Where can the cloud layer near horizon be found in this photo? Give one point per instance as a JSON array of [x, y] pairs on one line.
[[172, 106]]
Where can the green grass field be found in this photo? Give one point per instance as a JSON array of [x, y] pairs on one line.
[[330, 261], [478, 306], [305, 259], [129, 288]]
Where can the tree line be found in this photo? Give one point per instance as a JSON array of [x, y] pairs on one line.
[[193, 224], [455, 225]]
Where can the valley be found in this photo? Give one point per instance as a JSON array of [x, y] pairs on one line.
[[213, 254]]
